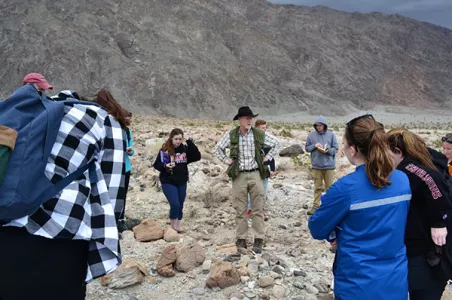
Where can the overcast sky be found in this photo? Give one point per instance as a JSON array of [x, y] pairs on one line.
[[433, 11]]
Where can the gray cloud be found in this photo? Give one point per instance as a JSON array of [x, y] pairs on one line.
[[433, 11]]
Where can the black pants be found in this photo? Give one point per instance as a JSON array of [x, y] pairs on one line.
[[126, 189], [422, 285], [33, 267]]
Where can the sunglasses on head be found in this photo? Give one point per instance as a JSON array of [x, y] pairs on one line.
[[446, 139], [353, 121]]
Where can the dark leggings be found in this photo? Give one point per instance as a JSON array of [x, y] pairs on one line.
[[421, 283], [33, 267], [126, 189], [176, 197]]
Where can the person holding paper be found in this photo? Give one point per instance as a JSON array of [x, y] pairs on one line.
[[322, 144]]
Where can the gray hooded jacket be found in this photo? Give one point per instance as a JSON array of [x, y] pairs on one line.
[[320, 160]]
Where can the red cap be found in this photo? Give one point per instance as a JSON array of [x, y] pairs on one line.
[[39, 80]]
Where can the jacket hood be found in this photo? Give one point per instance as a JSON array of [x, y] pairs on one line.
[[321, 120], [439, 160]]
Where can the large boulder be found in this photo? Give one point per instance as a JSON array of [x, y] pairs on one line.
[[171, 235], [189, 257], [130, 272], [223, 275], [293, 150], [148, 230], [166, 261]]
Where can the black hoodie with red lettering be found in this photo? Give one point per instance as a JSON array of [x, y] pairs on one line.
[[430, 205], [185, 154]]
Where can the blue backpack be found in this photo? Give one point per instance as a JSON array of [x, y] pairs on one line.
[[37, 120]]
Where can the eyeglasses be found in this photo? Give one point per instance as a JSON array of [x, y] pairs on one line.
[[352, 122], [446, 139]]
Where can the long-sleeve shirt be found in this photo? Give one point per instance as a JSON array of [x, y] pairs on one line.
[[85, 210], [371, 259], [129, 144], [247, 154]]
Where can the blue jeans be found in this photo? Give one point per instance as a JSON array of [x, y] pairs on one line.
[[265, 194], [175, 194]]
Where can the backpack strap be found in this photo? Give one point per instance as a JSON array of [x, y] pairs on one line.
[[60, 185]]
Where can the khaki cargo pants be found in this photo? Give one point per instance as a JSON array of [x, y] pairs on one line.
[[252, 183], [321, 176]]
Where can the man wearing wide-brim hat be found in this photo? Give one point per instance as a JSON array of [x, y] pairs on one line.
[[247, 171]]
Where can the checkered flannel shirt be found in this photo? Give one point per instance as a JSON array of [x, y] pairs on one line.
[[85, 210], [247, 154]]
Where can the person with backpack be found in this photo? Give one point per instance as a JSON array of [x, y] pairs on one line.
[[366, 211], [38, 81], [106, 100], [59, 197], [322, 144], [262, 125], [130, 152], [172, 162], [247, 170], [430, 208]]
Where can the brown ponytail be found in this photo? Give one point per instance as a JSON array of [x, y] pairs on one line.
[[168, 145], [411, 145], [369, 138], [105, 99]]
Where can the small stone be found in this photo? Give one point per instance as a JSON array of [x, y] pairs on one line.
[[306, 206], [278, 269], [279, 292], [253, 267], [322, 287], [206, 266], [152, 280], [311, 289], [265, 281], [299, 273], [250, 295], [298, 224], [198, 291], [233, 257], [274, 275], [282, 226], [298, 284], [191, 275], [234, 298], [251, 285], [216, 289], [244, 279]]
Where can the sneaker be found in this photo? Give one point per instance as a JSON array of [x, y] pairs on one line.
[[250, 213], [312, 211], [257, 247], [241, 243]]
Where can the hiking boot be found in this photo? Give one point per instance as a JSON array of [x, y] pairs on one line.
[[257, 247], [312, 211], [241, 243], [122, 226]]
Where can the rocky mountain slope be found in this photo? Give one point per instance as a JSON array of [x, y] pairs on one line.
[[203, 57], [292, 266]]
